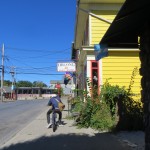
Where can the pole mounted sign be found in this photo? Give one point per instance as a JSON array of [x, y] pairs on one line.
[[66, 67]]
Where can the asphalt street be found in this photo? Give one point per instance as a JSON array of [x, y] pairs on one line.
[[15, 115]]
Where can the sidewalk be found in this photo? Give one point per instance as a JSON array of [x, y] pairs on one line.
[[36, 136]]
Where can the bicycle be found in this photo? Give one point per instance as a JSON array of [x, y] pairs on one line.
[[54, 122]]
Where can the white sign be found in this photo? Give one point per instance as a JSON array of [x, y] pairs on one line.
[[66, 66]]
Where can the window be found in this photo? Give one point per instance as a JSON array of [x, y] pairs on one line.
[[94, 64], [95, 73]]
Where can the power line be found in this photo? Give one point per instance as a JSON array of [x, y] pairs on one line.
[[36, 50], [32, 67], [23, 55], [40, 73], [26, 64], [27, 56]]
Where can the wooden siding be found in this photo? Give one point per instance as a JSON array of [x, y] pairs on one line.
[[98, 27], [118, 68]]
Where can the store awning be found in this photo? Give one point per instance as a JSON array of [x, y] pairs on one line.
[[127, 25]]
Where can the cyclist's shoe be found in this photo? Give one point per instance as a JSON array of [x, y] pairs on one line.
[[49, 125], [60, 124]]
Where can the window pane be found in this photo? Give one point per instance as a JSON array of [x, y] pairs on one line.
[[94, 64]]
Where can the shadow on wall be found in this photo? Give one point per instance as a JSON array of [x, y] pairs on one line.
[[103, 141]]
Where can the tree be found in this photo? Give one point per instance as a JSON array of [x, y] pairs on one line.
[[24, 84], [39, 84], [7, 83]]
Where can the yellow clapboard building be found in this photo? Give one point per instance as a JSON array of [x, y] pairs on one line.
[[93, 18]]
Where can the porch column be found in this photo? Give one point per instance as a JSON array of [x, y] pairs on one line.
[[145, 81]]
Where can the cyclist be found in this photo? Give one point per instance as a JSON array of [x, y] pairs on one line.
[[53, 102]]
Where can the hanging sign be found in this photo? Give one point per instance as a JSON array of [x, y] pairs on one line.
[[66, 66]]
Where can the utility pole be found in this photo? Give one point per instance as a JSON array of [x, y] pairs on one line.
[[2, 73], [12, 74]]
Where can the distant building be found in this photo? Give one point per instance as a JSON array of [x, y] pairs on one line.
[[67, 90]]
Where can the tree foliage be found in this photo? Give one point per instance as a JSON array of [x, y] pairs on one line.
[[7, 83], [24, 84], [39, 84]]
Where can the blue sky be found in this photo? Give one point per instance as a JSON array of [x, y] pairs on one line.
[[37, 34]]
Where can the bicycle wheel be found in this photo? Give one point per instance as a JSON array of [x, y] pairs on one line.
[[54, 122]]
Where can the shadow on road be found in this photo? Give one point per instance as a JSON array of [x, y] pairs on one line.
[[101, 141]]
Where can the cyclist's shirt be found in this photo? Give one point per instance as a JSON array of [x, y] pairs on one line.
[[54, 103]]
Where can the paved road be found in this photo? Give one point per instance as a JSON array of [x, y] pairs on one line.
[[16, 115]]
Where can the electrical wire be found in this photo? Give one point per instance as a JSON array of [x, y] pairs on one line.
[[39, 73], [27, 69], [35, 50]]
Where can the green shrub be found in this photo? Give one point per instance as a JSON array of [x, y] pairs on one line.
[[113, 108], [77, 105], [130, 115], [96, 115], [102, 119], [110, 94], [86, 113], [123, 108]]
